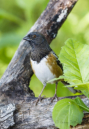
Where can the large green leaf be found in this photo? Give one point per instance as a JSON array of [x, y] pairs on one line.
[[65, 113], [75, 58]]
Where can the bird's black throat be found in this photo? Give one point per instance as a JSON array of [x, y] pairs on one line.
[[39, 53]]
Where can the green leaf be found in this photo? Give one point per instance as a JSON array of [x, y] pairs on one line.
[[65, 113], [84, 88], [75, 58], [81, 104], [59, 79]]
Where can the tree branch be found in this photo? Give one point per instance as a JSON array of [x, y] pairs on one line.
[[16, 78], [14, 91]]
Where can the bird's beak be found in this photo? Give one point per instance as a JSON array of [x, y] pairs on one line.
[[27, 38]]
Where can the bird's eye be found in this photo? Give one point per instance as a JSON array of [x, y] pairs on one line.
[[34, 36]]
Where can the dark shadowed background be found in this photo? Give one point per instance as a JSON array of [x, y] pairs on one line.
[[17, 17]]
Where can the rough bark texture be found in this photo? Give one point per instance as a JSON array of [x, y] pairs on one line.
[[17, 110], [29, 116]]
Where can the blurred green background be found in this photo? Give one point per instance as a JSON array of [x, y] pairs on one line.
[[17, 17]]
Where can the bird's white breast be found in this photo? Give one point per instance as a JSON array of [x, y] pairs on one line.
[[42, 71]]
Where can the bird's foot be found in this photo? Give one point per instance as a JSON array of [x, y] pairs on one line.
[[39, 99], [54, 97]]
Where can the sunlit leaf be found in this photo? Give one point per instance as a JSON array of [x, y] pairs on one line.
[[75, 58], [84, 88], [65, 113]]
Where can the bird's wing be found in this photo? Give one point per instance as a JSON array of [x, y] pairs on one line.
[[65, 83], [58, 61]]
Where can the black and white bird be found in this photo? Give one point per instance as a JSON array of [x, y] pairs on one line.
[[44, 61]]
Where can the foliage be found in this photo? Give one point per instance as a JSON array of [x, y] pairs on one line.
[[66, 112], [17, 17], [75, 58]]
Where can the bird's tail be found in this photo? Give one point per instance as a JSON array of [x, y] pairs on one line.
[[71, 88]]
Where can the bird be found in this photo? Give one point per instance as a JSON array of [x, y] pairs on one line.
[[44, 62]]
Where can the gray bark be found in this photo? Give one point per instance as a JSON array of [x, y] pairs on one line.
[[17, 109]]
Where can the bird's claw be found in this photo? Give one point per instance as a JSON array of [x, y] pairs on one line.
[[39, 99], [54, 97]]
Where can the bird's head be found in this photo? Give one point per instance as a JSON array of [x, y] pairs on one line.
[[36, 40]]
